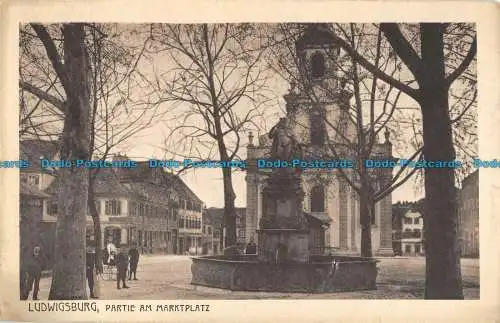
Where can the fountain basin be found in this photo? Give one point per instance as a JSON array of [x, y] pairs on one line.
[[322, 274]]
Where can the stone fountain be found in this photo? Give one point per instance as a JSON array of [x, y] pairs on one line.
[[284, 262]]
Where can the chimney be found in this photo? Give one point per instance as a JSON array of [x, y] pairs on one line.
[[120, 157]]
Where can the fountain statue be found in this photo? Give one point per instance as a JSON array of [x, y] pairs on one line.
[[283, 223], [284, 260]]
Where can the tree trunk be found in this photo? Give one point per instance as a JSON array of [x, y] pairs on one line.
[[365, 219], [443, 276], [229, 208], [96, 220], [68, 279]]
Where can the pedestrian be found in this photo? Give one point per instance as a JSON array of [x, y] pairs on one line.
[[90, 270], [23, 280], [121, 267], [33, 272], [111, 249], [134, 260], [251, 248]]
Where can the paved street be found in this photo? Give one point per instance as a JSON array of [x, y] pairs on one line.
[[168, 277]]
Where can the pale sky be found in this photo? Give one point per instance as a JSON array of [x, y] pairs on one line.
[[207, 183]]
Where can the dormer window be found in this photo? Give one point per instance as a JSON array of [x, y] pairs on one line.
[[317, 65], [31, 179]]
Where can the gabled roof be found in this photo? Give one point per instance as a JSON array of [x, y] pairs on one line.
[[34, 149], [399, 210], [145, 174], [106, 183], [126, 182], [215, 215], [152, 192], [184, 190], [31, 191]]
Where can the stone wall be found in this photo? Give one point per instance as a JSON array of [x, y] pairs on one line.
[[321, 276]]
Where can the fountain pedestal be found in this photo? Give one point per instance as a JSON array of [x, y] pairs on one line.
[[284, 262], [283, 245], [283, 235]]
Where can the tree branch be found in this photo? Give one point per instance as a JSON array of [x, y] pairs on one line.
[[53, 55], [375, 70], [43, 95], [465, 63], [402, 48]]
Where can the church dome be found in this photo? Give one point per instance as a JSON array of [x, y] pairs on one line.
[[318, 34]]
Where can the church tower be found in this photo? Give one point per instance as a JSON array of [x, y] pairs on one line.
[[320, 92], [317, 106]]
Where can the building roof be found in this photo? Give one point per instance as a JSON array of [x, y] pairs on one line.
[[145, 174], [315, 34], [31, 191], [148, 182], [399, 210], [152, 192], [411, 211], [106, 183], [215, 216], [151, 183], [181, 187], [34, 149]]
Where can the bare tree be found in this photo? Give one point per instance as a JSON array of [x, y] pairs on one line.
[[72, 72], [434, 78], [218, 84], [353, 132], [375, 107], [117, 114], [118, 110]]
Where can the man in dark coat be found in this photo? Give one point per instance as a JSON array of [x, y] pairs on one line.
[[121, 267], [33, 272], [134, 260], [91, 266]]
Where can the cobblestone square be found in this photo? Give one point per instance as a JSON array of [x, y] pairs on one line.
[[168, 277]]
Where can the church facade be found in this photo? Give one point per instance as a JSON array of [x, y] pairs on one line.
[[318, 120]]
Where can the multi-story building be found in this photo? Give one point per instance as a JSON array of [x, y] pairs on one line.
[[211, 238], [148, 206], [31, 201], [215, 216], [190, 222], [412, 233], [399, 211], [34, 200], [134, 205], [241, 225], [468, 214]]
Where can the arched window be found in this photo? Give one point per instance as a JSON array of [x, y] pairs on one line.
[[318, 199], [317, 65], [317, 129]]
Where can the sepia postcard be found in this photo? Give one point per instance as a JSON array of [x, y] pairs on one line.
[[249, 161]]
